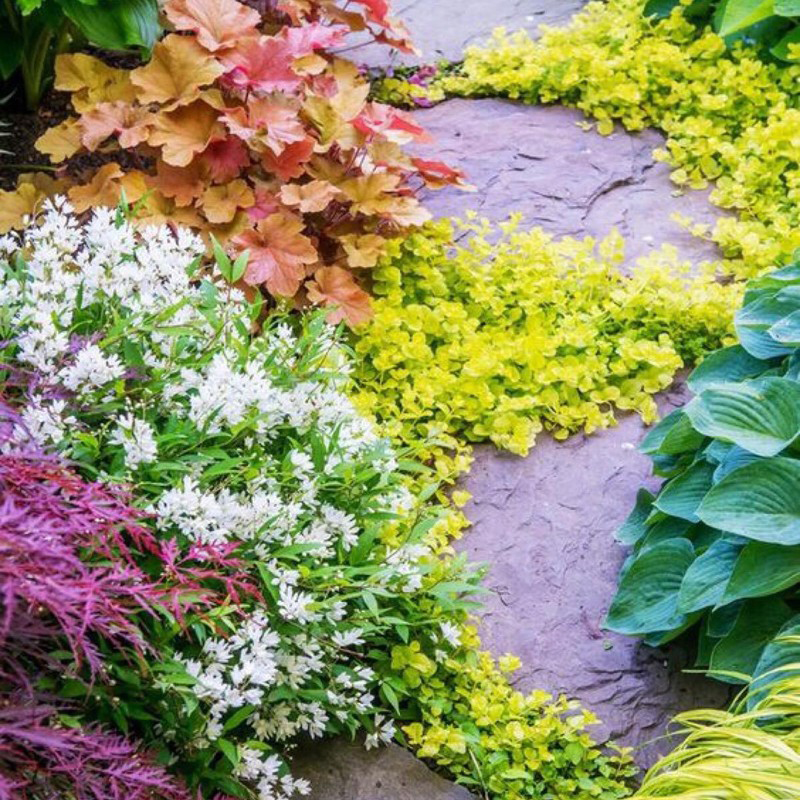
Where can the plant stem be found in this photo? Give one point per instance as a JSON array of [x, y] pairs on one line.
[[33, 67]]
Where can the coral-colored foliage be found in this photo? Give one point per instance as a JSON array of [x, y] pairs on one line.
[[248, 127]]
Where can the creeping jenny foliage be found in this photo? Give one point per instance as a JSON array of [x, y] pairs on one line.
[[306, 586], [500, 339], [730, 116]]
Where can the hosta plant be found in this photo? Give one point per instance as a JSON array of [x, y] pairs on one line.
[[249, 128], [34, 32], [718, 548]]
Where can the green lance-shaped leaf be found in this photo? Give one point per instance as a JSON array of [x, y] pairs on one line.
[[736, 15], [760, 416], [647, 598], [760, 501], [672, 436]]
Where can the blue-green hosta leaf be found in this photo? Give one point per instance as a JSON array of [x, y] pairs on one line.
[[754, 320], [635, 526], [725, 366], [781, 652], [647, 598], [736, 15], [682, 495], [704, 582], [761, 416], [787, 330], [740, 651], [672, 436], [736, 457], [663, 529], [762, 569], [759, 501]]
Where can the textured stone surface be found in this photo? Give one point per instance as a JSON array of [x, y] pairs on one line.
[[344, 770], [536, 160], [443, 29], [544, 524]]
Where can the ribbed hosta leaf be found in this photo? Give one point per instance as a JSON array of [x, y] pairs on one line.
[[787, 330], [761, 416], [762, 569], [725, 366], [757, 623], [735, 458], [760, 501], [647, 598], [635, 526], [682, 495], [704, 582]]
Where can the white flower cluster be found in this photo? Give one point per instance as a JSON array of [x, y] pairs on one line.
[[166, 385]]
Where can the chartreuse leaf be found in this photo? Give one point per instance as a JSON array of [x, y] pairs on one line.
[[739, 652], [647, 598], [781, 49], [725, 366], [704, 582], [682, 495], [759, 501], [761, 416], [762, 569]]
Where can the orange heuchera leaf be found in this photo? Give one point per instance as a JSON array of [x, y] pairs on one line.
[[437, 175], [185, 131], [263, 64], [181, 184], [363, 251], [265, 123], [91, 81], [370, 193], [279, 253], [291, 163], [102, 190], [309, 197], [220, 203], [61, 141], [225, 159], [335, 287], [177, 70], [24, 201], [217, 23], [130, 124], [396, 126]]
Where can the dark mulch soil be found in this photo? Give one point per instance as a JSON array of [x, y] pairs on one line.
[[25, 129]]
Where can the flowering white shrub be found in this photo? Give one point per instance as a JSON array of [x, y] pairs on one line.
[[286, 507]]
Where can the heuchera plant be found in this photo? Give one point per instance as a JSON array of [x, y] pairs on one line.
[[248, 127]]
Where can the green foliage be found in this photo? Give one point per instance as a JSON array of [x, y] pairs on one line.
[[751, 752], [730, 116], [498, 340], [33, 32], [720, 543]]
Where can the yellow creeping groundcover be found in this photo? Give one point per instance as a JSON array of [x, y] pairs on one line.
[[730, 117], [497, 339]]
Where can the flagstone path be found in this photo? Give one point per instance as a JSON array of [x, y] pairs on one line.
[[545, 523]]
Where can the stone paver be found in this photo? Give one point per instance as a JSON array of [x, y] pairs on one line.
[[344, 770], [442, 29], [544, 524], [537, 161]]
